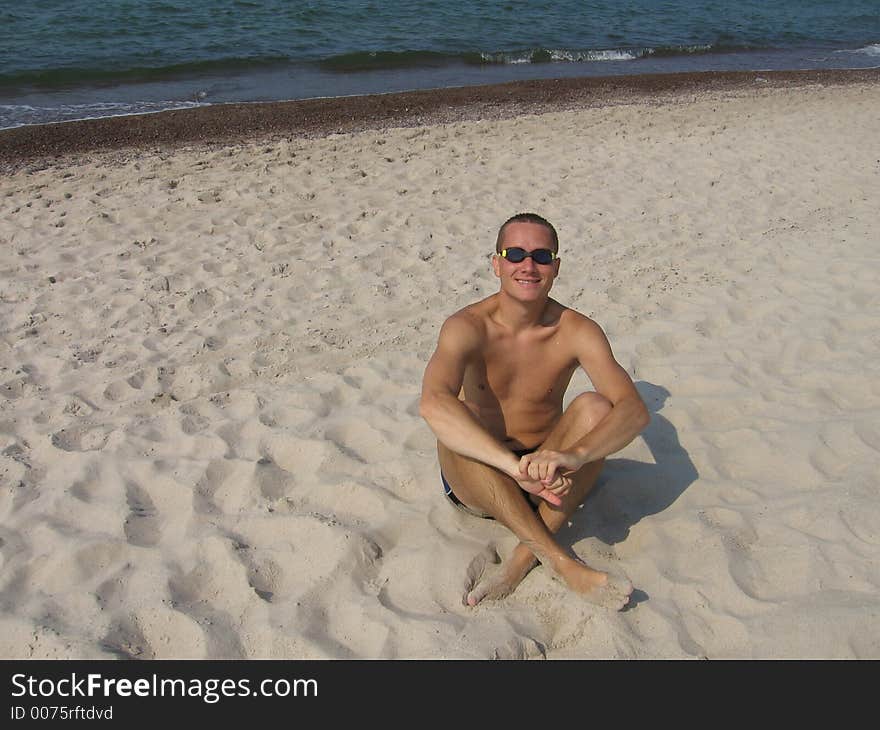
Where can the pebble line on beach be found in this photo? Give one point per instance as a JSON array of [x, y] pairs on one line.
[[38, 146]]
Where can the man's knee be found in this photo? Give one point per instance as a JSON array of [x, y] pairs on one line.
[[590, 408]]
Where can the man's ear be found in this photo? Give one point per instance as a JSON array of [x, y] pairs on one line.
[[496, 265]]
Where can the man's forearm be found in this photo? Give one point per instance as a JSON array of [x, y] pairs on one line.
[[460, 431], [626, 420]]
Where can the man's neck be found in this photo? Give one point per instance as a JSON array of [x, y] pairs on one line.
[[518, 316]]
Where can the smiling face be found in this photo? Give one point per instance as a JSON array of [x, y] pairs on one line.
[[526, 281]]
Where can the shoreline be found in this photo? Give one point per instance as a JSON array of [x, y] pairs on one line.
[[45, 144]]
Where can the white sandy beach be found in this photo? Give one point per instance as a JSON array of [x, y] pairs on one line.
[[210, 364]]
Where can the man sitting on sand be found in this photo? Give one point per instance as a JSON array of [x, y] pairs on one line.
[[493, 392]]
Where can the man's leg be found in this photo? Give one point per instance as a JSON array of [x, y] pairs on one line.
[[486, 489]]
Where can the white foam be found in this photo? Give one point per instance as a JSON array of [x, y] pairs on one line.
[[20, 115], [563, 55], [872, 50], [611, 55], [681, 50]]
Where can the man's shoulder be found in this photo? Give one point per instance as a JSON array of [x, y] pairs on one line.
[[571, 319], [473, 316], [467, 326], [583, 334]]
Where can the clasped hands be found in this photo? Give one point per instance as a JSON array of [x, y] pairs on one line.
[[547, 474]]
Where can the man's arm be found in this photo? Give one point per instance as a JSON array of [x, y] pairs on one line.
[[627, 418], [450, 419]]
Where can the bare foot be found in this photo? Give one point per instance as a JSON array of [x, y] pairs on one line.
[[603, 589], [486, 579]]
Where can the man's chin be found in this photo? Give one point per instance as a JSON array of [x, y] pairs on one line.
[[527, 294]]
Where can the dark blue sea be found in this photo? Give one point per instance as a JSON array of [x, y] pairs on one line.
[[72, 59]]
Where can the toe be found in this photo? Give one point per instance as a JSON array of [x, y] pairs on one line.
[[476, 595]]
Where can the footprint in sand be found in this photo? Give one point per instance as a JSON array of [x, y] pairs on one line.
[[357, 440], [225, 487], [221, 633], [137, 380], [16, 388], [202, 301], [127, 642], [262, 572], [81, 438], [117, 391], [274, 482], [193, 424], [141, 525]]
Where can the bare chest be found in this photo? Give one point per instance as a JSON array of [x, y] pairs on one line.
[[534, 371]]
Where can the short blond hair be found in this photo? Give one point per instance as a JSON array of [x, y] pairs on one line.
[[527, 218]]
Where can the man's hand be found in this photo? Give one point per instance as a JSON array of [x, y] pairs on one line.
[[551, 469], [537, 488], [534, 486]]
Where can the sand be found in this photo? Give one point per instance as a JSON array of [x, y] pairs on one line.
[[211, 355]]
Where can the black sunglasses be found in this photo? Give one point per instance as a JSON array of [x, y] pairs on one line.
[[539, 255]]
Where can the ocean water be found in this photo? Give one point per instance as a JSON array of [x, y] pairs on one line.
[[71, 59]]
